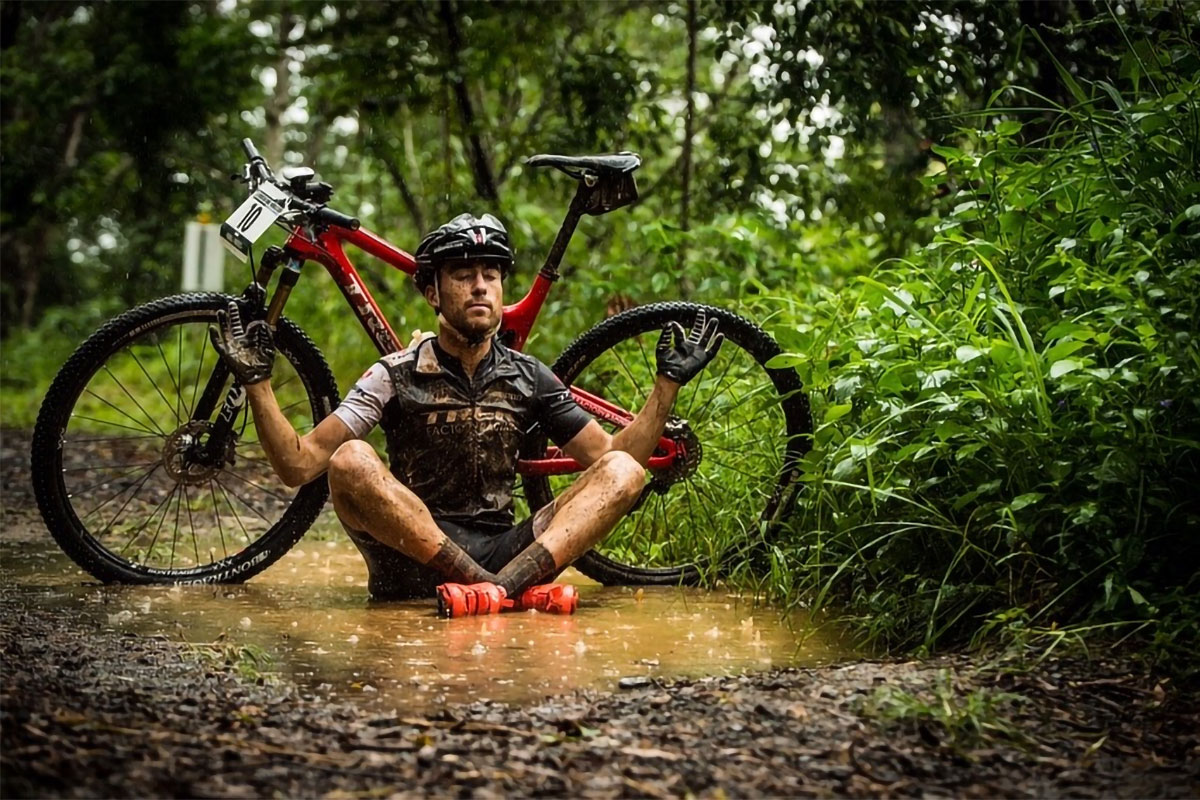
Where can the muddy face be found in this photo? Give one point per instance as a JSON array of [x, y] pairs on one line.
[[469, 297]]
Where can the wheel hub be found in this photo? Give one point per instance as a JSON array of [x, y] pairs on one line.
[[181, 452], [689, 452]]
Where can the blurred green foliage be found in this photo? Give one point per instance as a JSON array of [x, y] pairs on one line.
[[971, 225]]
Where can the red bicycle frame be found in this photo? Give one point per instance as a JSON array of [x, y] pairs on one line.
[[517, 322]]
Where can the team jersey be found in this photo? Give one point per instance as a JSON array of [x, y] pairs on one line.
[[453, 440]]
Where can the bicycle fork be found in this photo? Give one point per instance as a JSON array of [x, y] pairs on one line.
[[217, 448]]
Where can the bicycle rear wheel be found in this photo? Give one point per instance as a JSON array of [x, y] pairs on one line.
[[745, 428], [114, 462]]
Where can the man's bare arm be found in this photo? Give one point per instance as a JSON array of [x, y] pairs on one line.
[[638, 439], [680, 358], [296, 459]]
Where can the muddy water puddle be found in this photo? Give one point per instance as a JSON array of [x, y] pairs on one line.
[[309, 613]]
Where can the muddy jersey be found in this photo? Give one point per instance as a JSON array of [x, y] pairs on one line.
[[454, 440]]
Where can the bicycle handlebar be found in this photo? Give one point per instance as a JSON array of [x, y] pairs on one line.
[[320, 214], [258, 164], [328, 216]]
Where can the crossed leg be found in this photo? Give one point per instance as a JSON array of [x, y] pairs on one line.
[[367, 497]]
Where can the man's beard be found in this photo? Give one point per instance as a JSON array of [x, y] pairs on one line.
[[472, 333]]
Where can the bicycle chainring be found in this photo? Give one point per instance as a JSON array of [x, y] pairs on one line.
[[688, 456]]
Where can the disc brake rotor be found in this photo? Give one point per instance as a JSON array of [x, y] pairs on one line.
[[179, 454]]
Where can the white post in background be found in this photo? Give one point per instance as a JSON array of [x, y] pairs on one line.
[[203, 258]]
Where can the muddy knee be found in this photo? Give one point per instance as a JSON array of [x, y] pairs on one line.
[[349, 467], [624, 472]]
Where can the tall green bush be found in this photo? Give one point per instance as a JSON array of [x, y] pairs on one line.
[[1008, 420]]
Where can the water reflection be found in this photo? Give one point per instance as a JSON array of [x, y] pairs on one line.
[[310, 613]]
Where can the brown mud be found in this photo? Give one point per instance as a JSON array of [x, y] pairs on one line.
[[89, 709]]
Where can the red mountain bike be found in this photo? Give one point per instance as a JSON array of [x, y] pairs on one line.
[[146, 461]]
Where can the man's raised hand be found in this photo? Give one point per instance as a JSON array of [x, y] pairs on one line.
[[248, 351], [680, 356]]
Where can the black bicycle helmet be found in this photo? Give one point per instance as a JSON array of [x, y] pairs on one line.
[[464, 238]]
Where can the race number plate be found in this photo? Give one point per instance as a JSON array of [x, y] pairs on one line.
[[252, 219]]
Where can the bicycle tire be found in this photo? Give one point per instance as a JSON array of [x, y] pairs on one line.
[[64, 396], [741, 335]]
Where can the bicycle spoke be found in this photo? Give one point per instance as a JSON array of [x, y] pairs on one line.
[[236, 516], [153, 513], [125, 505], [117, 380], [105, 482], [141, 428], [217, 517], [179, 367], [175, 538], [645, 359], [720, 463], [115, 496], [692, 404], [171, 375], [162, 519], [153, 383], [738, 427], [191, 524], [262, 489], [109, 466], [246, 504], [750, 451], [111, 438], [151, 433], [632, 379], [199, 369]]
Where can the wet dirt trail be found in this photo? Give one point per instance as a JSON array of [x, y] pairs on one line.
[[295, 685]]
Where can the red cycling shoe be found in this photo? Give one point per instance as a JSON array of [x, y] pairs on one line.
[[465, 600], [549, 598]]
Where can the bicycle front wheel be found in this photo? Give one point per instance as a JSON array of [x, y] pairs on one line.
[[115, 466], [745, 428]]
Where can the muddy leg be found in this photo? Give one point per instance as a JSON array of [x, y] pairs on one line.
[[583, 515], [367, 497]]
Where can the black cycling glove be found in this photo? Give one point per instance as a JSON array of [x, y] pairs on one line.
[[680, 357], [248, 351]]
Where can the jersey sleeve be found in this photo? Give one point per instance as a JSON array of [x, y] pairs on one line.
[[558, 413], [363, 407]]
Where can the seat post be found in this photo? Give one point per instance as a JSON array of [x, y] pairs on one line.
[[567, 230]]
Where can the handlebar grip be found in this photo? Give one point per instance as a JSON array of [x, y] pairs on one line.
[[251, 150], [331, 217]]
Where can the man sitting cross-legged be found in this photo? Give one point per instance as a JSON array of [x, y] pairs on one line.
[[455, 409]]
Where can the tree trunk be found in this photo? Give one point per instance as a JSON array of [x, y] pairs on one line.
[[481, 168], [685, 285], [280, 98], [406, 194]]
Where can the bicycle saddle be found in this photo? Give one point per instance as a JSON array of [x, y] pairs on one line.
[[575, 166]]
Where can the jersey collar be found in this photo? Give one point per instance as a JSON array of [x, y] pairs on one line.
[[496, 364]]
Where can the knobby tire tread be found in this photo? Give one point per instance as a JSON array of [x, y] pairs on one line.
[[55, 413]]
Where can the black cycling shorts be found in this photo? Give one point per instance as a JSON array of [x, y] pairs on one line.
[[395, 576]]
